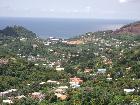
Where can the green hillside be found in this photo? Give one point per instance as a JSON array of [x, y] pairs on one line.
[[106, 63]]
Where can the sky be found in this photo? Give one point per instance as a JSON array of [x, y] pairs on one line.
[[107, 9]]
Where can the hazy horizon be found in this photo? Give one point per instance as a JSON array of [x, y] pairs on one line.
[[63, 28]]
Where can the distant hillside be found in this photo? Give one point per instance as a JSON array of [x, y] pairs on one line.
[[16, 31], [129, 32], [133, 28]]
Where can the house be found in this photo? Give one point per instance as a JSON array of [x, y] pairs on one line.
[[12, 90], [108, 75], [108, 62], [44, 64], [75, 85], [4, 61], [7, 101], [20, 97], [64, 41], [23, 39], [63, 87], [47, 44], [3, 93], [37, 95], [129, 90], [31, 58], [54, 39], [59, 69], [50, 50], [96, 54], [109, 79], [7, 92], [101, 71], [41, 83], [51, 81], [52, 64], [87, 70], [61, 91], [75, 80], [61, 96], [128, 68], [36, 64], [35, 46]]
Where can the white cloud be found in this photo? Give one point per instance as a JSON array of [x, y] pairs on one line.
[[26, 9], [43, 9], [123, 1], [52, 10], [75, 11], [88, 8]]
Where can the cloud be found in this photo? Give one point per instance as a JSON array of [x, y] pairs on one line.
[[75, 11], [88, 8], [52, 10], [125, 1]]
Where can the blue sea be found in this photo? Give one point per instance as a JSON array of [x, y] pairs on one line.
[[63, 28]]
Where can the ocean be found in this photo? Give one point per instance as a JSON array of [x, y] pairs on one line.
[[63, 28]]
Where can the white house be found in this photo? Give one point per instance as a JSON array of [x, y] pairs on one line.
[[8, 101], [129, 90], [37, 95], [44, 64], [41, 83], [75, 85], [12, 90], [20, 97], [109, 79], [8, 91], [51, 81], [59, 69], [102, 71], [36, 64], [59, 91], [63, 87], [23, 39]]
